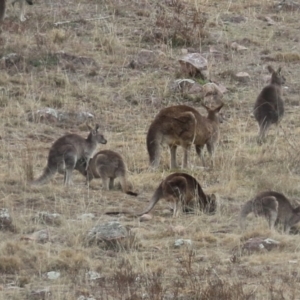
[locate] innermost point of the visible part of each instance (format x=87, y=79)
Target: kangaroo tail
x=45, y=177
x=245, y=211
x=125, y=187
x=153, y=145
x=132, y=193
x=158, y=194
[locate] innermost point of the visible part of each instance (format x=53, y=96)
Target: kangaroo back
x=269, y=106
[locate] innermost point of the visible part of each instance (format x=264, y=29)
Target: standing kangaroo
x=107, y=165
x=182, y=125
x=269, y=106
x=181, y=189
x=275, y=207
x=65, y=153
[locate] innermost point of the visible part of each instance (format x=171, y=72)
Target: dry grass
x=124, y=101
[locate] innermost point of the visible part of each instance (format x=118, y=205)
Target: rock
x=184, y=51
x=146, y=58
x=91, y=275
x=193, y=64
x=41, y=236
x=190, y=87
x=85, y=217
x=177, y=229
x=212, y=89
x=48, y=218
x=5, y=219
x=235, y=46
x=40, y=294
x=259, y=244
x=146, y=217
x=270, y=21
x=51, y=115
x=111, y=233
x=181, y=242
x=53, y=275
x=242, y=77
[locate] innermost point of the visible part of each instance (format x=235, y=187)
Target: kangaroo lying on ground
x=269, y=106
x=275, y=207
x=181, y=189
x=183, y=126
x=107, y=165
x=67, y=151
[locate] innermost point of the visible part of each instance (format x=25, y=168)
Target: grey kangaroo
x=65, y=153
x=181, y=189
x=275, y=207
x=182, y=125
x=269, y=105
x=107, y=165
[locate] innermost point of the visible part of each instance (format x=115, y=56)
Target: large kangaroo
x=107, y=165
x=181, y=189
x=269, y=106
x=275, y=207
x=66, y=151
x=183, y=126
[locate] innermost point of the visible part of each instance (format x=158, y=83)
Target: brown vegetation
x=83, y=65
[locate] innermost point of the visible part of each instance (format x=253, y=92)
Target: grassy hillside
x=93, y=63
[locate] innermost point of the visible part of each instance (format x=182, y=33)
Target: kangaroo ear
x=270, y=69
x=97, y=127
x=279, y=70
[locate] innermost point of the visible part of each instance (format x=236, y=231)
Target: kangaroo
x=65, y=153
x=269, y=106
x=181, y=189
x=107, y=165
x=275, y=207
x=182, y=125
x=22, y=8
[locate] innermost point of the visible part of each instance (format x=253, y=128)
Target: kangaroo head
x=95, y=135
x=277, y=77
x=211, y=204
x=81, y=166
x=213, y=113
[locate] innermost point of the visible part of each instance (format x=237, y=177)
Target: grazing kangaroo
x=107, y=165
x=269, y=106
x=67, y=151
x=275, y=207
x=181, y=189
x=183, y=126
